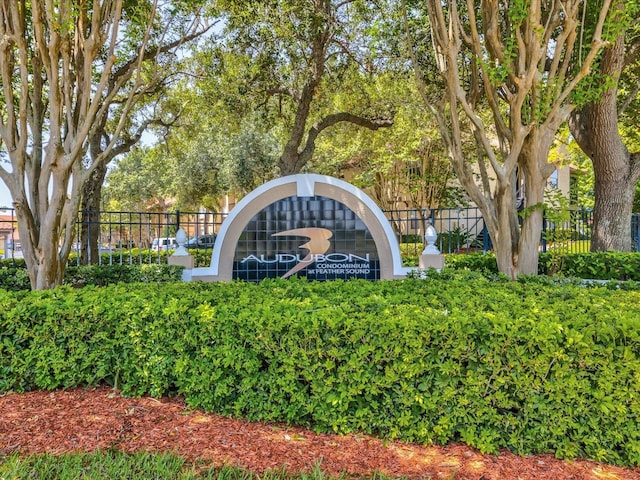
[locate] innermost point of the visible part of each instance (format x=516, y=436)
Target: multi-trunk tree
x=507, y=70
x=66, y=67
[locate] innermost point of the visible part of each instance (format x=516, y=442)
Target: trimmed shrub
x=603, y=265
x=12, y=263
x=479, y=262
x=15, y=279
x=101, y=275
x=495, y=364
x=597, y=266
x=144, y=256
x=147, y=266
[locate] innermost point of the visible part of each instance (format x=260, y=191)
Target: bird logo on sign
x=318, y=244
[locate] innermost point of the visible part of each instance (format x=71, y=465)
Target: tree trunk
x=536, y=170
x=90, y=226
x=49, y=272
x=517, y=240
x=614, y=191
x=516, y=247
x=616, y=171
x=504, y=234
x=531, y=230
x=45, y=257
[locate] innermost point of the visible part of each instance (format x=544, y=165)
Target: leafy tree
x=404, y=166
x=605, y=128
x=217, y=145
x=211, y=166
x=295, y=56
x=188, y=172
x=66, y=69
x=245, y=95
x=506, y=71
x=139, y=181
x=145, y=114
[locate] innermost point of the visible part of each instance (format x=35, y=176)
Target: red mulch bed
x=86, y=420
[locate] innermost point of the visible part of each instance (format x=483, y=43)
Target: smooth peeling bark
x=515, y=65
x=61, y=72
x=537, y=170
x=505, y=233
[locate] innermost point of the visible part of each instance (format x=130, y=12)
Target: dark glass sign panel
x=315, y=237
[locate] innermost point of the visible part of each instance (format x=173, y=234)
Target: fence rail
x=128, y=237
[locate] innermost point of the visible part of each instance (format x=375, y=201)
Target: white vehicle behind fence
x=164, y=244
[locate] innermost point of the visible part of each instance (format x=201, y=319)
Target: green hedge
x=142, y=256
x=598, y=266
x=101, y=275
x=495, y=364
x=134, y=256
x=15, y=279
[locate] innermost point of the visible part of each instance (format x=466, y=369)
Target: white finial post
x=181, y=239
x=181, y=256
x=431, y=257
x=430, y=238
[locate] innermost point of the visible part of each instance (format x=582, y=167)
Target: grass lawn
x=114, y=464
x=570, y=246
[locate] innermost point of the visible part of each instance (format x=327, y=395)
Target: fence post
x=88, y=239
x=485, y=238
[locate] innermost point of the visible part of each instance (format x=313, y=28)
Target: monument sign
x=308, y=225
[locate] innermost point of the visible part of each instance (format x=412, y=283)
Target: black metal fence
x=140, y=237
x=463, y=230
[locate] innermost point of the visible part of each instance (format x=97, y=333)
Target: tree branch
x=333, y=119
x=632, y=50
x=629, y=98
x=579, y=131
x=634, y=162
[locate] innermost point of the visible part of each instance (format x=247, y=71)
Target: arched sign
x=308, y=225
